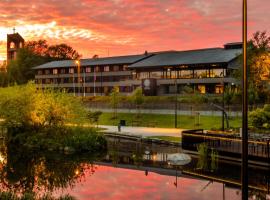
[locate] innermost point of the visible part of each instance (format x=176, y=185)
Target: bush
x=25, y=106
x=260, y=118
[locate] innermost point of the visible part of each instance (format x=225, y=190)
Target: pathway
x=143, y=131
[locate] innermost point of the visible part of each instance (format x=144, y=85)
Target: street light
x=78, y=72
x=244, y=171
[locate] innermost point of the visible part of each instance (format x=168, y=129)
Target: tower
x=14, y=42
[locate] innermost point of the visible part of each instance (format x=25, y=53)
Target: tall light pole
x=78, y=72
x=244, y=170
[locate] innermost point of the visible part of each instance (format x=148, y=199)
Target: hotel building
x=158, y=73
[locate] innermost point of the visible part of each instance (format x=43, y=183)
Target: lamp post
x=78, y=72
x=175, y=103
x=244, y=170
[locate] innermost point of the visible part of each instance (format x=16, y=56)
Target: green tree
x=26, y=107
x=93, y=117
x=62, y=52
x=114, y=100
x=258, y=65
x=137, y=98
x=35, y=53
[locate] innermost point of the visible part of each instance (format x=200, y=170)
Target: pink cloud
x=130, y=27
x=116, y=183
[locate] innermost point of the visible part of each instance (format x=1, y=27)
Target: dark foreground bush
x=72, y=139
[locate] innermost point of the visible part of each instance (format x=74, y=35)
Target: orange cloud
x=127, y=26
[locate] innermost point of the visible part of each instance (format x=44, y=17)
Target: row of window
x=87, y=79
x=98, y=90
x=198, y=73
x=73, y=70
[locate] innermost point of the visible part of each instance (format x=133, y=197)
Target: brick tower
x=14, y=42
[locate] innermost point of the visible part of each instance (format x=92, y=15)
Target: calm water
x=128, y=170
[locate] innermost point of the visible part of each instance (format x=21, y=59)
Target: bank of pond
x=111, y=172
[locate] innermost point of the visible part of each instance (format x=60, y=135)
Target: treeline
x=35, y=53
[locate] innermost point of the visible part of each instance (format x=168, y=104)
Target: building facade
x=159, y=73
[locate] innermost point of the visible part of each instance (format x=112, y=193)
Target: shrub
x=260, y=117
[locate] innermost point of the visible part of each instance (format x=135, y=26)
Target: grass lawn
x=167, y=121
x=167, y=138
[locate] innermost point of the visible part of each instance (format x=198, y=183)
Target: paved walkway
x=168, y=111
x=143, y=131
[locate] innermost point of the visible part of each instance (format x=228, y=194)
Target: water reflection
x=131, y=169
x=35, y=172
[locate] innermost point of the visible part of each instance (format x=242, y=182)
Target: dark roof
x=192, y=57
x=94, y=61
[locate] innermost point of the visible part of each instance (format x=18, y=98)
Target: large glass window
x=186, y=73
x=201, y=73
x=158, y=74
x=217, y=73
x=143, y=75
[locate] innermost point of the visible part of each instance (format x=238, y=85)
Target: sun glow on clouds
x=129, y=27
x=49, y=31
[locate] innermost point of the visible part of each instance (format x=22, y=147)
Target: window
x=55, y=71
x=12, y=45
x=219, y=89
x=186, y=74
x=156, y=74
x=106, y=68
x=87, y=69
x=97, y=69
x=39, y=72
x=47, y=81
x=202, y=89
x=143, y=75
x=47, y=71
x=125, y=67
x=62, y=71
x=71, y=70
x=200, y=73
x=217, y=73
x=116, y=68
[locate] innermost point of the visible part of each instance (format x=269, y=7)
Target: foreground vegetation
x=31, y=196
x=167, y=121
x=38, y=119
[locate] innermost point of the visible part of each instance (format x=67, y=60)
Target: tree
x=35, y=53
x=20, y=71
x=138, y=99
x=93, y=117
x=62, y=52
x=39, y=47
x=26, y=107
x=258, y=65
x=114, y=100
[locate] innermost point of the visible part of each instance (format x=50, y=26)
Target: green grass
x=167, y=121
x=166, y=138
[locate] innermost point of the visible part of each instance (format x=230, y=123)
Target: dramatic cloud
x=128, y=27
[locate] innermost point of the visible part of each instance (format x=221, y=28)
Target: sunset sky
x=118, y=27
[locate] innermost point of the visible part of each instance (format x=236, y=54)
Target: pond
x=130, y=169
